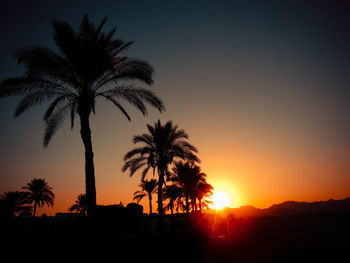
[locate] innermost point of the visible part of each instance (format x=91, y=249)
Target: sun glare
x=220, y=199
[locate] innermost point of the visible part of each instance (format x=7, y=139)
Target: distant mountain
x=293, y=208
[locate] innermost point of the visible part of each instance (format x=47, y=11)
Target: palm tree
x=204, y=190
x=188, y=176
x=12, y=203
x=89, y=65
x=40, y=193
x=161, y=146
x=79, y=205
x=172, y=193
x=148, y=187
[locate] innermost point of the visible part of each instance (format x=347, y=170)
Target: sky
x=261, y=87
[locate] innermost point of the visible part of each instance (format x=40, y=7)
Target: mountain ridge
x=289, y=208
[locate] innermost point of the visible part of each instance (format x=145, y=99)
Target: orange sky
x=262, y=90
x=253, y=170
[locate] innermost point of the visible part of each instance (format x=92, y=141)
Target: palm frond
x=118, y=105
x=179, y=134
x=115, y=49
x=133, y=70
x=192, y=158
x=125, y=70
x=128, y=93
x=135, y=96
x=134, y=164
x=58, y=101
x=109, y=36
x=31, y=100
x=139, y=197
x=54, y=122
x=145, y=171
x=98, y=29
x=65, y=39
x=40, y=61
x=149, y=97
x=187, y=146
x=86, y=28
x=27, y=85
x=138, y=192
x=141, y=150
x=145, y=138
x=73, y=113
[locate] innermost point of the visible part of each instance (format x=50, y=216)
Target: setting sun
x=220, y=199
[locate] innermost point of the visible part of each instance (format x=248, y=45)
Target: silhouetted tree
x=172, y=193
x=12, y=203
x=89, y=65
x=180, y=203
x=79, y=205
x=40, y=193
x=188, y=176
x=204, y=190
x=148, y=187
x=161, y=146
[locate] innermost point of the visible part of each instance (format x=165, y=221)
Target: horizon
x=210, y=210
x=262, y=89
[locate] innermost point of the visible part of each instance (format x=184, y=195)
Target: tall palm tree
x=12, y=203
x=79, y=205
x=160, y=147
x=148, y=187
x=40, y=193
x=188, y=176
x=89, y=65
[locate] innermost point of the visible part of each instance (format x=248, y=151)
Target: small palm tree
x=12, y=203
x=204, y=190
x=79, y=205
x=188, y=177
x=88, y=66
x=148, y=187
x=161, y=146
x=172, y=193
x=40, y=193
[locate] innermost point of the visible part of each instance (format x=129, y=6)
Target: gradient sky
x=263, y=90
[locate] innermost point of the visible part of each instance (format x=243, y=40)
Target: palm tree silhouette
x=204, y=190
x=161, y=146
x=88, y=66
x=188, y=176
x=172, y=193
x=79, y=205
x=40, y=193
x=12, y=203
x=148, y=187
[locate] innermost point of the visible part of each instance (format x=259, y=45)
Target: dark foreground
x=179, y=238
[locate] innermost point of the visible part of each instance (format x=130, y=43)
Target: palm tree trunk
x=35, y=205
x=172, y=206
x=194, y=206
x=187, y=207
x=85, y=133
x=150, y=205
x=160, y=194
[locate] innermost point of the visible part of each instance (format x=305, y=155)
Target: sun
x=220, y=199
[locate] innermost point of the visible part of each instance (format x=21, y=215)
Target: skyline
x=262, y=91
